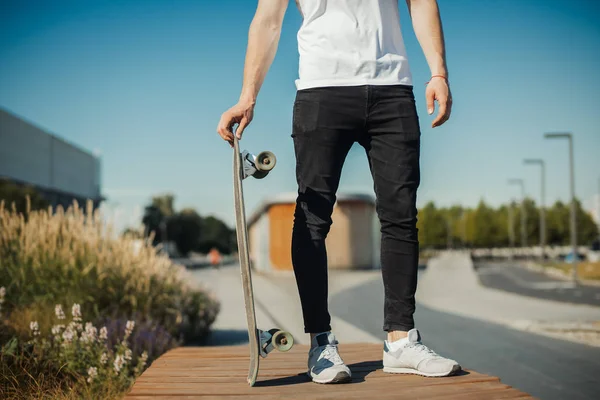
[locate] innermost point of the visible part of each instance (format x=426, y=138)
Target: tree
x=488, y=230
x=152, y=220
x=165, y=204
x=489, y=227
x=587, y=230
x=557, y=223
x=184, y=228
x=532, y=222
x=216, y=234
x=433, y=227
x=455, y=231
x=12, y=193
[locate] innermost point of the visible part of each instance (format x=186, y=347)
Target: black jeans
x=327, y=122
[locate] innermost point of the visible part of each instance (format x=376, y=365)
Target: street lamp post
x=511, y=227
x=523, y=216
x=542, y=201
x=569, y=136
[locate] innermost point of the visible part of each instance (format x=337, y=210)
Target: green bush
x=77, y=359
x=71, y=257
x=19, y=196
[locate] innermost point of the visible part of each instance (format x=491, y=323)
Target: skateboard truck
x=274, y=339
x=259, y=165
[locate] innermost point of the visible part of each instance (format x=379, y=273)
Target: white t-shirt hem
x=302, y=84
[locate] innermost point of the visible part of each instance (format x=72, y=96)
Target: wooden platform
x=209, y=372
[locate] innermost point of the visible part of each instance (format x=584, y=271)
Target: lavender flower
x=119, y=362
x=128, y=329
x=103, y=333
x=68, y=335
x=57, y=328
x=60, y=314
x=76, y=312
x=89, y=335
x=92, y=373
x=35, y=328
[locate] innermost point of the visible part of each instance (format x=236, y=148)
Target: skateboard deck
x=261, y=342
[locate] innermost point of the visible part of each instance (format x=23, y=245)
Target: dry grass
x=586, y=270
x=70, y=256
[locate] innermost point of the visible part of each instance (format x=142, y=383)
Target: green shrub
x=71, y=257
x=22, y=196
x=75, y=357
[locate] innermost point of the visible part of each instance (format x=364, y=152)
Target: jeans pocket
x=305, y=116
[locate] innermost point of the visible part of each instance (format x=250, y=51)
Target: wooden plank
x=220, y=372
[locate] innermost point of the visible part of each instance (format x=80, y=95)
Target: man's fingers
x=430, y=96
x=240, y=129
x=447, y=112
x=441, y=114
x=223, y=129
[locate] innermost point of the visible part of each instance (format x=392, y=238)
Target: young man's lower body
x=327, y=121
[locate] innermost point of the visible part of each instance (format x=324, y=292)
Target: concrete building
x=60, y=171
x=352, y=243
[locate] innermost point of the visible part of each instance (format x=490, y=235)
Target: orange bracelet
x=437, y=76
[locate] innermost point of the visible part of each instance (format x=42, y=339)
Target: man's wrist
x=439, y=68
x=439, y=72
x=247, y=99
x=439, y=76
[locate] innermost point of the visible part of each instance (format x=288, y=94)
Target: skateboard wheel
x=260, y=174
x=282, y=341
x=265, y=161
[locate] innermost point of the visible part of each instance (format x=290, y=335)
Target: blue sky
x=145, y=82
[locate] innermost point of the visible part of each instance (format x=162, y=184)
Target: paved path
x=512, y=278
x=544, y=367
x=451, y=285
x=277, y=305
x=458, y=318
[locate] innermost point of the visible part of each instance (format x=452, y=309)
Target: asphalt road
x=511, y=278
x=544, y=367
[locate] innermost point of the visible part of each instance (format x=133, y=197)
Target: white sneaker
x=324, y=362
x=410, y=356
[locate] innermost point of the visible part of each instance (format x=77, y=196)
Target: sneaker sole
x=341, y=377
x=411, y=371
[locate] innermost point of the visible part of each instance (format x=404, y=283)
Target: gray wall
x=29, y=154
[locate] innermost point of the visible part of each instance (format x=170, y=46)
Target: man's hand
x=438, y=90
x=427, y=23
x=241, y=114
x=263, y=38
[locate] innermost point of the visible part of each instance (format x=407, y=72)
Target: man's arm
x=426, y=21
x=263, y=38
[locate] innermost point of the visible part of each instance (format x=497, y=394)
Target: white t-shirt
x=350, y=43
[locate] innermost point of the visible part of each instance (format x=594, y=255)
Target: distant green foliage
x=11, y=194
x=486, y=226
x=189, y=230
x=215, y=234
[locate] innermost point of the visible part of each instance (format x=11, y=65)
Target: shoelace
x=421, y=348
x=330, y=353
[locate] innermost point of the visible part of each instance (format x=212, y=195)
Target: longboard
x=261, y=342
